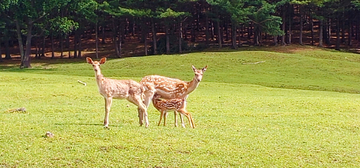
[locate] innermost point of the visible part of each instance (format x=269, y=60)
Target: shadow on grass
x=87, y=124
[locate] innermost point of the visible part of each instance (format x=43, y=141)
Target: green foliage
x=118, y=9
x=239, y=122
x=63, y=25
x=237, y=10
x=169, y=13
x=263, y=18
x=259, y=12
x=86, y=9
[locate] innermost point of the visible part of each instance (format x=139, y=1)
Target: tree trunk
x=350, y=34
x=96, y=40
x=75, y=45
x=21, y=45
x=43, y=47
x=103, y=34
x=320, y=33
x=153, y=35
x=167, y=38
x=114, y=39
x=241, y=27
x=26, y=60
x=180, y=36
x=283, y=28
x=212, y=30
x=337, y=46
x=290, y=24
x=193, y=36
x=7, y=48
x=61, y=45
x=219, y=33
x=226, y=31
x=145, y=35
x=275, y=40
x=257, y=35
x=79, y=43
x=327, y=32
x=343, y=30
x=37, y=49
x=120, y=40
x=312, y=30
x=52, y=46
x=357, y=35
x=206, y=29
x=249, y=34
x=68, y=44
x=233, y=35
x=301, y=26
x=0, y=52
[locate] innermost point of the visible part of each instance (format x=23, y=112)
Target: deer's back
x=119, y=89
x=168, y=88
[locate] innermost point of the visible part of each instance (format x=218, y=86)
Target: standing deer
x=119, y=89
x=177, y=105
x=170, y=88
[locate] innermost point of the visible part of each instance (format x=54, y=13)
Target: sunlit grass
x=279, y=113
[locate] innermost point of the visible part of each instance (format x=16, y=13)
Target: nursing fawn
x=176, y=105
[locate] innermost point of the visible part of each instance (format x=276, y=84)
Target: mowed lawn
x=256, y=107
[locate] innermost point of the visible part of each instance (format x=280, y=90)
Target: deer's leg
x=184, y=109
x=141, y=116
x=108, y=102
x=148, y=95
x=142, y=110
x=188, y=115
x=161, y=116
x=182, y=120
x=165, y=115
x=175, y=118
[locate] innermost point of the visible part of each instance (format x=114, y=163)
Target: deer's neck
x=192, y=85
x=99, y=77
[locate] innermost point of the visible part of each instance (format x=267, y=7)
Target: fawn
x=176, y=105
x=119, y=89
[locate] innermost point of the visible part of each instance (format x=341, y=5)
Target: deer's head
x=199, y=73
x=96, y=64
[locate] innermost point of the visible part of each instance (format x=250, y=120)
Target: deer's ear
x=103, y=60
x=194, y=69
x=204, y=69
x=89, y=60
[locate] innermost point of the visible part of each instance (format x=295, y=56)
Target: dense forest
x=169, y=26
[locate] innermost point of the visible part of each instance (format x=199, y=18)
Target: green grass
x=299, y=108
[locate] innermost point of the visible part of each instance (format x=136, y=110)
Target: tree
x=25, y=14
x=264, y=21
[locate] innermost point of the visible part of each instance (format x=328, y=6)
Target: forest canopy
x=168, y=26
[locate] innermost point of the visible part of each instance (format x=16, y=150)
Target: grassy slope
x=291, y=120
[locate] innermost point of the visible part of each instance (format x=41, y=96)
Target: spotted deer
x=176, y=105
x=119, y=89
x=170, y=88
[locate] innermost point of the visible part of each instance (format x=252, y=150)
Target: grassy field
x=256, y=107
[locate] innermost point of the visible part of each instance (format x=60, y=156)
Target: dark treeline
x=168, y=26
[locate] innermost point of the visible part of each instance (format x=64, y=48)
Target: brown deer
x=170, y=88
x=119, y=89
x=176, y=105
